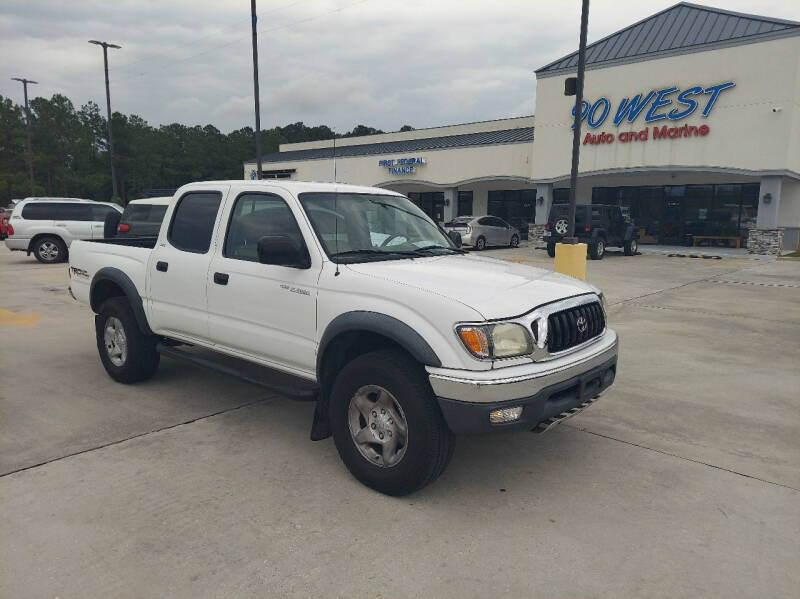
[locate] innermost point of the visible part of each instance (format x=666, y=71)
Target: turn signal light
x=505, y=415
x=476, y=340
x=10, y=229
x=587, y=228
x=123, y=228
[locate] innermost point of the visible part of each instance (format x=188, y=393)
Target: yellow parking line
x=26, y=319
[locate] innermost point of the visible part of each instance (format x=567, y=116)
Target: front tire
x=128, y=355
x=598, y=249
x=386, y=424
x=50, y=249
x=514, y=241
x=480, y=244
x=631, y=247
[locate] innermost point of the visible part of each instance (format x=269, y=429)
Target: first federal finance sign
x=402, y=166
x=668, y=103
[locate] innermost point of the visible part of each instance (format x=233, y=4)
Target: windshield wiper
x=440, y=247
x=367, y=253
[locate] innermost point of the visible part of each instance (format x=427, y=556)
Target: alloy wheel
x=49, y=251
x=116, y=341
x=561, y=226
x=378, y=426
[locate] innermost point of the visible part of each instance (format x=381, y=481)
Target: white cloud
x=337, y=62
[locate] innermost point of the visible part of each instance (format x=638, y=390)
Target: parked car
x=5, y=214
x=143, y=218
x=405, y=339
x=47, y=227
x=597, y=225
x=481, y=232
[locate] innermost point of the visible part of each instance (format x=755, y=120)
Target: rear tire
x=50, y=249
x=631, y=247
x=128, y=355
x=405, y=413
x=551, y=250
x=598, y=249
x=480, y=244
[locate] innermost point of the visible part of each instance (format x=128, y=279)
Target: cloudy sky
x=383, y=63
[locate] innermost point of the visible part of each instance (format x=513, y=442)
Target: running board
x=299, y=389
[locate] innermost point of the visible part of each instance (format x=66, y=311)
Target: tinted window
x=255, y=216
x=99, y=212
x=498, y=222
x=193, y=221
x=485, y=221
x=81, y=212
x=39, y=211
x=144, y=213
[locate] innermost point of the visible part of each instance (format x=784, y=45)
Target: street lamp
x=576, y=132
x=106, y=46
x=25, y=83
x=253, y=22
x=571, y=255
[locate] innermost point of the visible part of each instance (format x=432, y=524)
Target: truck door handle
x=221, y=278
x=162, y=266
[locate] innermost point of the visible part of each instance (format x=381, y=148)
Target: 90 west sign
x=654, y=107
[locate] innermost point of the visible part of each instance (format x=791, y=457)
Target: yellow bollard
x=571, y=260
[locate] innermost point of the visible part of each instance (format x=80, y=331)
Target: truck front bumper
x=546, y=392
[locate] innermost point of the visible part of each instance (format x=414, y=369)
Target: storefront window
x=464, y=203
x=675, y=214
x=515, y=206
x=431, y=203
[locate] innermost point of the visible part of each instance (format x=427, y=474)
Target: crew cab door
x=260, y=310
x=179, y=264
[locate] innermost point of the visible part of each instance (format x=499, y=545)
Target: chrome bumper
x=517, y=382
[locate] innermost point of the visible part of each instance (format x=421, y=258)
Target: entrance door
x=672, y=223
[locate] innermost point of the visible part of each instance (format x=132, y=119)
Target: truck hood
x=495, y=288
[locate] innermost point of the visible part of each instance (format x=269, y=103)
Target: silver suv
x=481, y=232
x=47, y=227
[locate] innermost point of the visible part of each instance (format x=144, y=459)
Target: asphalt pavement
x=682, y=481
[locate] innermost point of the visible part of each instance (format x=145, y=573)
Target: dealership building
x=690, y=122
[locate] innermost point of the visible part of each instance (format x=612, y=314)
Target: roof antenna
x=335, y=203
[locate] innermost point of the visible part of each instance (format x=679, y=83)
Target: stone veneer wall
x=765, y=241
x=535, y=235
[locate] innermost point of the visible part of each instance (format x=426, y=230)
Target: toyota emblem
x=581, y=324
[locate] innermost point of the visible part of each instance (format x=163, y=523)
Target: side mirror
x=282, y=250
x=455, y=237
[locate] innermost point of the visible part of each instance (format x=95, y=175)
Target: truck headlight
x=502, y=340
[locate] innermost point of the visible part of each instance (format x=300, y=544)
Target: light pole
x=576, y=132
x=253, y=21
x=106, y=46
x=25, y=83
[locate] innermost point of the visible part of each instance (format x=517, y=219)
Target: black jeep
x=598, y=226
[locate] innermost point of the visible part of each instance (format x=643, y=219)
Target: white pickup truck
x=407, y=339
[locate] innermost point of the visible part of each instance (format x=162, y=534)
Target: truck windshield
x=355, y=227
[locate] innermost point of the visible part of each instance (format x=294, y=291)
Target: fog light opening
x=505, y=415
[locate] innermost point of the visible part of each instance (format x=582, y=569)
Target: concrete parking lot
x=682, y=481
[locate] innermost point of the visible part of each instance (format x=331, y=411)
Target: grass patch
x=792, y=255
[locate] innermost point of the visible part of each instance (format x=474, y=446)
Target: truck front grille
x=571, y=327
